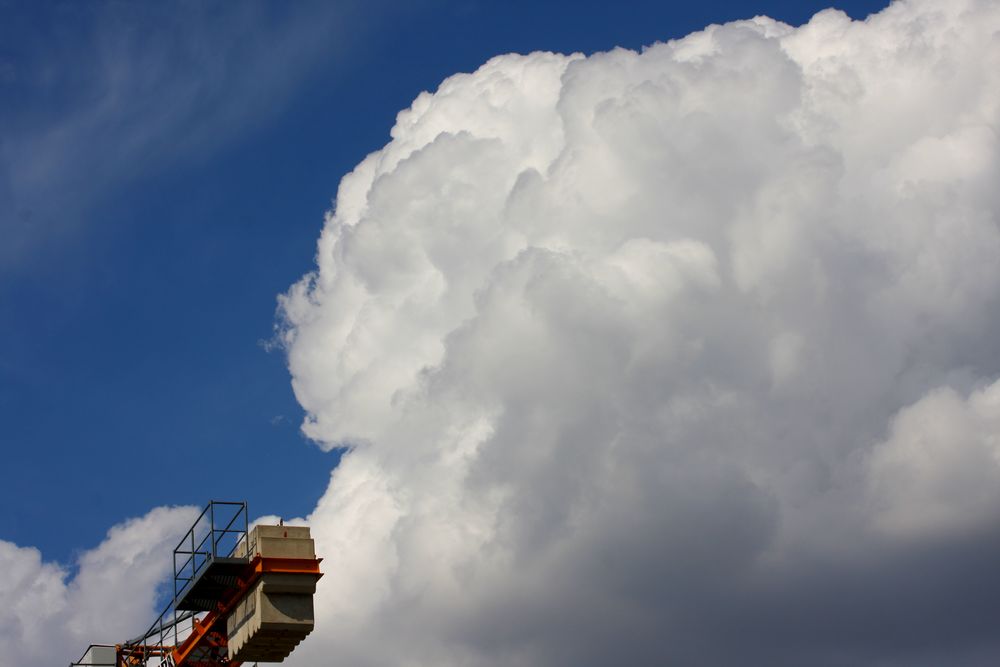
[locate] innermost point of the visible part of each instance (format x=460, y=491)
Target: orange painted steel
x=286, y=566
x=210, y=632
x=139, y=657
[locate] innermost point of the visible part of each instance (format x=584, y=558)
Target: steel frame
x=198, y=638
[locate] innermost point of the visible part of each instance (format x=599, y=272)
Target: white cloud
x=132, y=90
x=940, y=468
x=49, y=616
x=611, y=341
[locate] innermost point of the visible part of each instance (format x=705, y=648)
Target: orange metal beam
x=287, y=565
x=201, y=635
x=148, y=651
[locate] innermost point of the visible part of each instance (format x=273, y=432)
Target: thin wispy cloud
x=103, y=93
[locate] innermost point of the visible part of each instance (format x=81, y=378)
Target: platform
x=215, y=580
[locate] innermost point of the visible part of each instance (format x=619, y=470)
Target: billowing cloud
x=940, y=469
x=49, y=615
x=685, y=356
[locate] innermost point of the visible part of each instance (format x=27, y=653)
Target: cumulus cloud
x=940, y=468
x=50, y=615
x=684, y=356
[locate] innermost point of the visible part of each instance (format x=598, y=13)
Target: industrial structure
x=240, y=595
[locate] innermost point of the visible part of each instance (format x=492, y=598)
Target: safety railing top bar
x=240, y=510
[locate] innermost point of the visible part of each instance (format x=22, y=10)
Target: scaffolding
x=218, y=565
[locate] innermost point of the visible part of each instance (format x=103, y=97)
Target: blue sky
x=164, y=171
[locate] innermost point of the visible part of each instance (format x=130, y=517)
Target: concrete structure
x=277, y=612
x=99, y=655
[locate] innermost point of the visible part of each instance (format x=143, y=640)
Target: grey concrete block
x=277, y=612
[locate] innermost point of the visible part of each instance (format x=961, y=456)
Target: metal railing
x=218, y=532
x=213, y=543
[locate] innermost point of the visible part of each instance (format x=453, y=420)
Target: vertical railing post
x=175, y=575
x=211, y=527
x=193, y=568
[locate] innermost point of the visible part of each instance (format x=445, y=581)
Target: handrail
x=199, y=557
x=172, y=627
